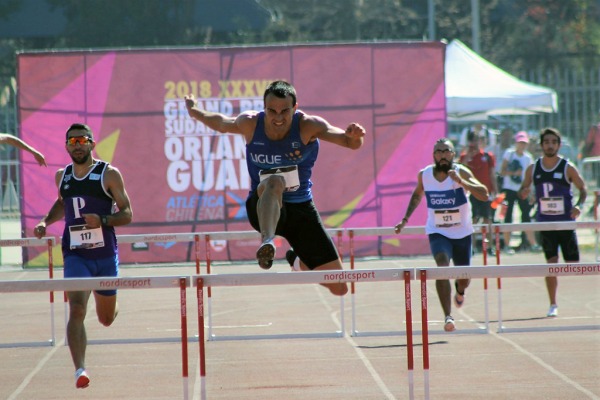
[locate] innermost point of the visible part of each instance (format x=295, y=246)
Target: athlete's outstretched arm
x=318, y=128
x=18, y=143
x=244, y=124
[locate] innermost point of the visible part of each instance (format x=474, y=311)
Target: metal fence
x=578, y=100
x=10, y=183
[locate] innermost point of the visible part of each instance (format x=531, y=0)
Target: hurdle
x=498, y=271
x=410, y=230
x=536, y=226
x=306, y=277
x=240, y=235
x=132, y=283
x=49, y=242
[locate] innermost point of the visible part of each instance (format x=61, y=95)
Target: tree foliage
x=517, y=35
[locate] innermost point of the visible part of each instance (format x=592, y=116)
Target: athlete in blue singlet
x=282, y=144
x=92, y=199
x=449, y=221
x=552, y=177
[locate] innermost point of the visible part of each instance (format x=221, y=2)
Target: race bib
x=85, y=238
x=447, y=218
x=552, y=205
x=289, y=173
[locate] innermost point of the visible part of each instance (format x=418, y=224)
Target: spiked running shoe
x=449, y=324
x=291, y=258
x=82, y=379
x=265, y=254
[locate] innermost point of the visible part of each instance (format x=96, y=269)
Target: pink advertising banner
x=183, y=177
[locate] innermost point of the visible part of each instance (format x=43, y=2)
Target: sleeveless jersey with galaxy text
x=552, y=192
x=87, y=196
x=263, y=153
x=448, y=209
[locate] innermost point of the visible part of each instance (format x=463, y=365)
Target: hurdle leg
x=184, y=337
x=352, y=291
x=409, y=335
x=342, y=331
x=596, y=201
x=208, y=289
x=51, y=276
x=500, y=327
x=485, y=286
x=201, y=348
x=197, y=253
x=425, y=333
x=498, y=280
x=66, y=309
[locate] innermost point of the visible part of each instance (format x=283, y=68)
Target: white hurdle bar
x=534, y=226
x=143, y=282
x=409, y=230
x=239, y=235
x=49, y=242
x=498, y=271
x=306, y=277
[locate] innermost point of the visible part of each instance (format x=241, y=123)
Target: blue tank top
x=263, y=153
x=87, y=196
x=552, y=192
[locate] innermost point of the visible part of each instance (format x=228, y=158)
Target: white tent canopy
x=476, y=86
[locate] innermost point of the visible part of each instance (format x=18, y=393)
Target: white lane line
x=361, y=355
x=548, y=367
x=541, y=362
x=197, y=393
x=34, y=371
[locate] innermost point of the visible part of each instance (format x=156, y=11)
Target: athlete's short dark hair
x=281, y=89
x=82, y=127
x=549, y=131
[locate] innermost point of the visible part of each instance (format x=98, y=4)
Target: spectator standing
x=482, y=164
x=514, y=163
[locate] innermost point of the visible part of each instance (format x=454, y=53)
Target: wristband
x=104, y=220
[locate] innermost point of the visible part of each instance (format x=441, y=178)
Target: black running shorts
x=301, y=225
x=567, y=240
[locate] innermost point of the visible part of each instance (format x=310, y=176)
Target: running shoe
x=553, y=311
x=82, y=379
x=449, y=324
x=536, y=248
x=459, y=299
x=265, y=254
x=291, y=257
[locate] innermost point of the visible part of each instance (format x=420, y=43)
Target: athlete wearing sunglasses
x=73, y=140
x=92, y=199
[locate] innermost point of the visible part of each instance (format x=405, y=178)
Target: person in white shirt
x=514, y=163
